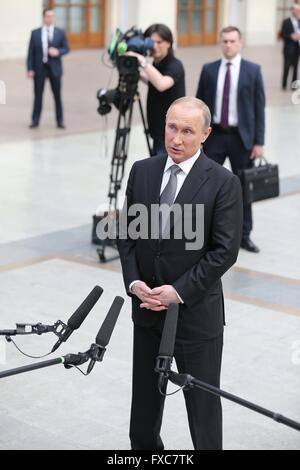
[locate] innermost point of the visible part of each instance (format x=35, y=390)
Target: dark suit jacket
x=35, y=52
x=290, y=47
x=251, y=99
x=196, y=275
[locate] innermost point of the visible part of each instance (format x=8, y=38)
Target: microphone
x=167, y=345
x=79, y=316
x=105, y=332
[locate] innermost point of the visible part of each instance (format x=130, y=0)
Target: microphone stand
x=187, y=382
x=94, y=354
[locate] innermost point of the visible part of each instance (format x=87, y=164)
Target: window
x=83, y=21
x=197, y=22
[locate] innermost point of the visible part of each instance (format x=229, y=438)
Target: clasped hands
x=296, y=37
x=53, y=52
x=157, y=299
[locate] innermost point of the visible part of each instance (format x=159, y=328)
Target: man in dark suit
x=160, y=270
x=47, y=45
x=233, y=90
x=290, y=33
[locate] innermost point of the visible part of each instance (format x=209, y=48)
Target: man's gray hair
x=195, y=103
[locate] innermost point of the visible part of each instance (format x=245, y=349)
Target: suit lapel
x=243, y=76
x=39, y=37
x=154, y=179
x=194, y=182
x=55, y=32
x=197, y=177
x=215, y=75
x=153, y=186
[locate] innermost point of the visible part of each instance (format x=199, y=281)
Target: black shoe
x=61, y=126
x=33, y=125
x=248, y=245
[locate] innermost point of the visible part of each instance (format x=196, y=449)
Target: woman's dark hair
x=163, y=31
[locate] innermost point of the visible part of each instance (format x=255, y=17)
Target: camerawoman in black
x=166, y=80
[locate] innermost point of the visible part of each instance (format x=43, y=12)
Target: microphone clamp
x=185, y=381
x=94, y=354
x=63, y=332
x=163, y=367
x=164, y=364
x=30, y=329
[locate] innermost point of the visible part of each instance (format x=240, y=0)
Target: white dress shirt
x=47, y=34
x=296, y=25
x=233, y=99
x=186, y=167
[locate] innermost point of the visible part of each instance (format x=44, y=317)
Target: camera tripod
x=129, y=94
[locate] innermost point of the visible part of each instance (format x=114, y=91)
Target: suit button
x=158, y=255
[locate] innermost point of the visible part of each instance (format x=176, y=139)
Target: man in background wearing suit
x=290, y=33
x=234, y=91
x=47, y=45
x=162, y=270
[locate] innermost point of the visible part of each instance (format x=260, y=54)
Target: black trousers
x=39, y=85
x=290, y=61
x=221, y=145
x=201, y=359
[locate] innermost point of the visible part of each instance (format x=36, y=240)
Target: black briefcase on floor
x=260, y=182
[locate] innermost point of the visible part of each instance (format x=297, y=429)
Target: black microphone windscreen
x=84, y=309
x=109, y=323
x=167, y=343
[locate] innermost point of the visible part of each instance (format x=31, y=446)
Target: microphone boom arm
x=186, y=381
x=95, y=354
x=33, y=329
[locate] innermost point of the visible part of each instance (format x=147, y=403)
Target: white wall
x=113, y=18
x=255, y=18
x=261, y=24
x=233, y=13
x=17, y=19
x=158, y=11
x=124, y=14
x=129, y=14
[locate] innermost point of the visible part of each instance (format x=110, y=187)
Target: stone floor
x=51, y=185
